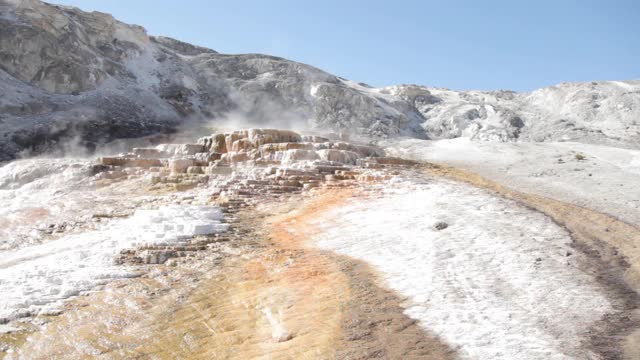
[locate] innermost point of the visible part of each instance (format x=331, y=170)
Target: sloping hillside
x=68, y=75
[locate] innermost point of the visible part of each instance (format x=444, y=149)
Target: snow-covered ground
x=498, y=283
x=36, y=279
x=607, y=179
x=35, y=193
x=594, y=112
x=60, y=232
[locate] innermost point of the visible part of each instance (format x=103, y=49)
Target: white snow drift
x=605, y=178
x=497, y=283
x=36, y=279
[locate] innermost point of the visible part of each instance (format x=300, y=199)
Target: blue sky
x=519, y=45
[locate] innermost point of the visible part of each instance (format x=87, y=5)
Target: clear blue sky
x=519, y=45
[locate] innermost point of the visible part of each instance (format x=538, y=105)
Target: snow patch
x=36, y=280
x=495, y=284
x=606, y=180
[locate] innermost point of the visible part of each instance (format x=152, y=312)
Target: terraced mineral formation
x=244, y=167
x=251, y=162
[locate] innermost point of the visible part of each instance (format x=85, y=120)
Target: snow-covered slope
x=597, y=112
x=495, y=284
x=68, y=74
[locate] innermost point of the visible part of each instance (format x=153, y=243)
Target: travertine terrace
x=243, y=167
x=252, y=162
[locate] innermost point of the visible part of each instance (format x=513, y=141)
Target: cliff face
x=68, y=74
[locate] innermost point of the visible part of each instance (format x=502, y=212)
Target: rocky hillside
x=68, y=75
x=597, y=112
x=65, y=73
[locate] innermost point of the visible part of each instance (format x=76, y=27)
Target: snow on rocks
x=496, y=284
x=36, y=279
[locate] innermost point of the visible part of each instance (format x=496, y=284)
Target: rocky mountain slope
x=68, y=75
x=603, y=111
